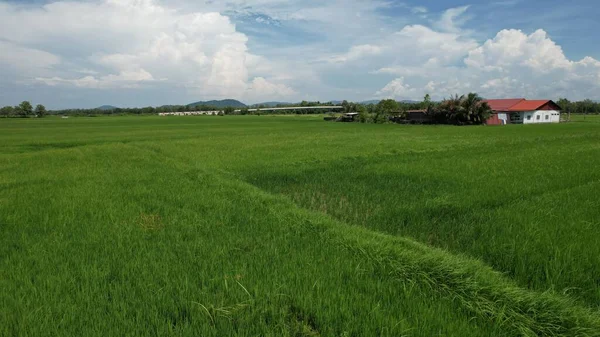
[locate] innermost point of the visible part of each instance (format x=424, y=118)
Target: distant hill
x=273, y=104
x=106, y=107
x=220, y=104
x=373, y=101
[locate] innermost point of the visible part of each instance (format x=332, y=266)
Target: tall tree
x=388, y=106
x=426, y=104
x=470, y=104
x=7, y=111
x=567, y=107
x=385, y=108
x=363, y=113
x=348, y=107
x=40, y=110
x=24, y=109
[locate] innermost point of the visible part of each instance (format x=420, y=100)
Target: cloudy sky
x=152, y=52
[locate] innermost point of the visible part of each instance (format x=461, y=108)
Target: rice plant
x=290, y=226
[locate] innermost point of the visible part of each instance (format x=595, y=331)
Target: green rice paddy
x=292, y=226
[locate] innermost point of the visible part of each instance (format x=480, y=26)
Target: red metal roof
x=503, y=104
x=520, y=104
x=527, y=105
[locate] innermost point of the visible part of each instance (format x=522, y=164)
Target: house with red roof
x=523, y=111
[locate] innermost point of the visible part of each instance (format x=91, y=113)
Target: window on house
x=528, y=117
x=538, y=117
x=547, y=117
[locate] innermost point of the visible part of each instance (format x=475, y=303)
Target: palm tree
x=470, y=104
x=469, y=109
x=484, y=111
x=452, y=109
x=477, y=111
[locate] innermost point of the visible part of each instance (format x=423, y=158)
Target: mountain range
x=106, y=107
x=237, y=104
x=271, y=104
x=220, y=104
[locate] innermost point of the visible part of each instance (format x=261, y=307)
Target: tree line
x=135, y=111
x=302, y=104
x=23, y=110
x=467, y=109
x=581, y=107
x=26, y=110
x=458, y=110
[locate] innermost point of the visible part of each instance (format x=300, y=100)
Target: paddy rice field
x=293, y=226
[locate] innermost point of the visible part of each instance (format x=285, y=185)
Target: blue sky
x=151, y=52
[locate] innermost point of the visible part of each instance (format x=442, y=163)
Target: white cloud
x=194, y=48
x=397, y=89
x=534, y=60
x=357, y=53
x=84, y=82
x=26, y=60
x=125, y=79
x=506, y=3
x=514, y=48
x=418, y=41
x=127, y=43
x=419, y=10
x=511, y=64
x=452, y=19
x=261, y=90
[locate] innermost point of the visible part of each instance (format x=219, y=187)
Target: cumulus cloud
x=357, y=53
x=512, y=63
x=195, y=48
x=26, y=60
x=125, y=79
x=397, y=88
x=127, y=44
x=522, y=62
x=421, y=42
x=262, y=89
x=514, y=48
x=452, y=19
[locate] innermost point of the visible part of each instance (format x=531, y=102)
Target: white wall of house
x=541, y=116
x=551, y=116
x=503, y=117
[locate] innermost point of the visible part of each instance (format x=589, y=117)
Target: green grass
x=290, y=226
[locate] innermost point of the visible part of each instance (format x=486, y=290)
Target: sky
x=134, y=53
